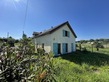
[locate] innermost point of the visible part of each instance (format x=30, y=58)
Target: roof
x=53, y=29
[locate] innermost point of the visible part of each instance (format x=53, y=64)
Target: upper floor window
x=66, y=33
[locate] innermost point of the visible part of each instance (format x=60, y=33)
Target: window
x=43, y=45
x=66, y=33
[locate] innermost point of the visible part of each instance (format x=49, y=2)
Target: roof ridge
x=49, y=31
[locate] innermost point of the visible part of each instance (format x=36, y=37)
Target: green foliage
x=40, y=51
x=16, y=68
x=84, y=49
x=101, y=41
x=22, y=65
x=98, y=45
x=24, y=36
x=82, y=67
x=10, y=41
x=44, y=68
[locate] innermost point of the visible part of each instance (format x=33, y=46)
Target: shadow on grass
x=96, y=59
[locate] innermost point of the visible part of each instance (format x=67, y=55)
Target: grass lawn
x=83, y=67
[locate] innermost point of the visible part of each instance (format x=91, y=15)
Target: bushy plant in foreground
x=16, y=68
x=22, y=65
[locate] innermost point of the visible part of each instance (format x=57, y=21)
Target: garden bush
x=22, y=65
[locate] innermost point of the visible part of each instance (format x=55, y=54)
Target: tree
x=16, y=41
x=1, y=39
x=24, y=36
x=83, y=41
x=91, y=40
x=10, y=41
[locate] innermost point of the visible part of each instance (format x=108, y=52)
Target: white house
x=59, y=39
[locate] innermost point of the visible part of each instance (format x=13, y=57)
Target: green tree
x=91, y=40
x=24, y=36
x=10, y=41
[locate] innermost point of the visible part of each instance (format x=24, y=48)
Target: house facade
x=59, y=39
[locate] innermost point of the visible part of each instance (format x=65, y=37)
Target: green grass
x=83, y=66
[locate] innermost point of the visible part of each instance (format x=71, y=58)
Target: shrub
x=40, y=51
x=99, y=45
x=21, y=65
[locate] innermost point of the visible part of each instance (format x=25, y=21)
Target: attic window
x=66, y=33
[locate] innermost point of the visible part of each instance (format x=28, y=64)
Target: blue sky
x=88, y=18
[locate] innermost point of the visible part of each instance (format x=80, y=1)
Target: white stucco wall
x=57, y=37
x=46, y=40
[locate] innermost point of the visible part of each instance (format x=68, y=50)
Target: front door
x=66, y=47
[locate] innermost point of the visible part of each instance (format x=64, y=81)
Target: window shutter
x=55, y=47
x=63, y=33
x=63, y=48
x=68, y=34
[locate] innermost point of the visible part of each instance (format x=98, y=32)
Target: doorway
x=66, y=47
x=59, y=48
